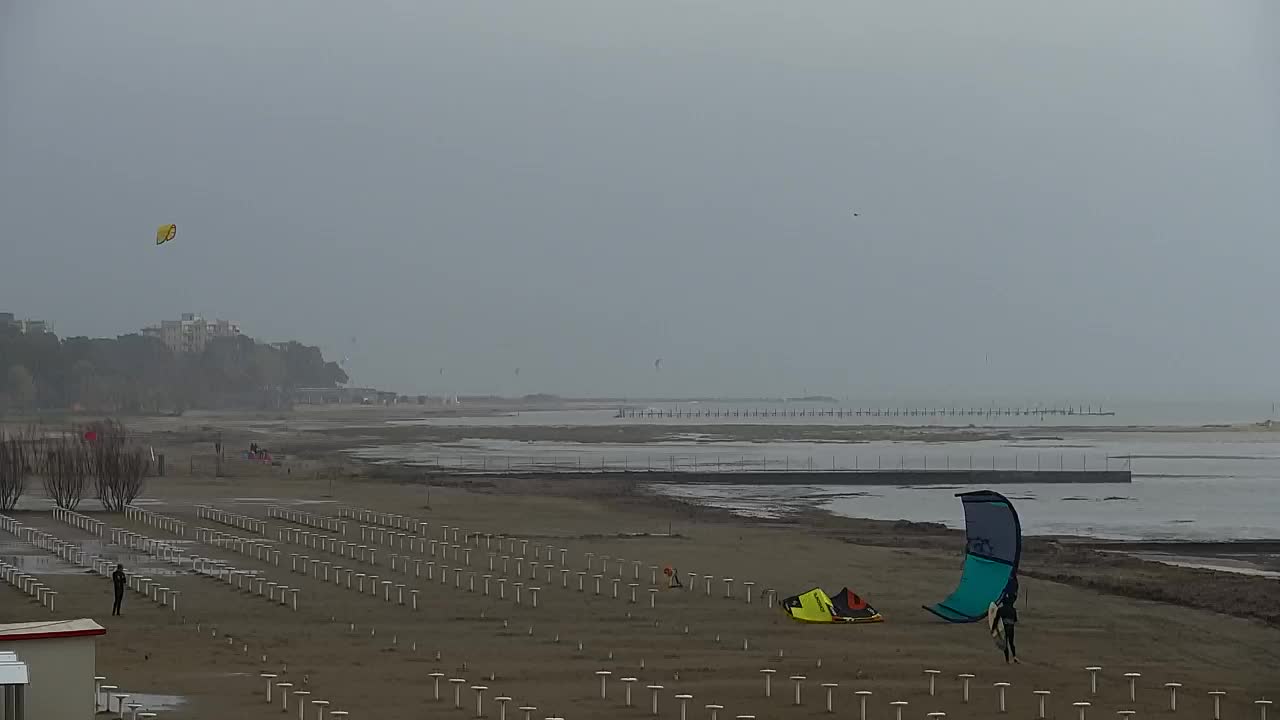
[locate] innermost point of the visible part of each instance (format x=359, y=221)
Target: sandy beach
x=374, y=658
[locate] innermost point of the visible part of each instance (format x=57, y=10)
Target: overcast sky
x=1057, y=200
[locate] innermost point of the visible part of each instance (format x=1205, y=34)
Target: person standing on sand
x=1008, y=618
x=118, y=580
x=673, y=577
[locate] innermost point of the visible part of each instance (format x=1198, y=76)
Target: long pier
x=845, y=413
x=824, y=477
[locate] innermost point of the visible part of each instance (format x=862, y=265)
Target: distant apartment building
x=190, y=333
x=9, y=320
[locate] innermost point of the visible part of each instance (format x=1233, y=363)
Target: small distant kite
x=165, y=233
x=657, y=364
x=857, y=214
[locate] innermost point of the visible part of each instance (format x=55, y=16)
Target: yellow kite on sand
x=816, y=606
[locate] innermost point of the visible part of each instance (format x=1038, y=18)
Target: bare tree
x=65, y=464
x=119, y=469
x=15, y=467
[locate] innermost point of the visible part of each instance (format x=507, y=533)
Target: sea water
x=1219, y=485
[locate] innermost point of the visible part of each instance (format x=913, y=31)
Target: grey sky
x=1086, y=192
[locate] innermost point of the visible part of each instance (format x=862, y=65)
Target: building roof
x=50, y=629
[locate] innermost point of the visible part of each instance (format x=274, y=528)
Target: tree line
x=98, y=455
x=138, y=374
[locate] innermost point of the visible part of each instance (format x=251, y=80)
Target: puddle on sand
x=282, y=501
x=133, y=561
x=36, y=562
x=1221, y=564
x=151, y=703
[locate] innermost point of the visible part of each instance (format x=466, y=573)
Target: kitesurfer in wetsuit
x=1008, y=618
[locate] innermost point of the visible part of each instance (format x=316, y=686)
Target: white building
x=14, y=678
x=28, y=326
x=61, y=661
x=190, y=333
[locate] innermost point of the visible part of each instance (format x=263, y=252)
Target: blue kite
x=993, y=537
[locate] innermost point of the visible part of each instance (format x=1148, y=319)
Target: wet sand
x=1080, y=607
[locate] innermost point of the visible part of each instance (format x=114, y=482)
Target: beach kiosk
x=57, y=660
x=13, y=687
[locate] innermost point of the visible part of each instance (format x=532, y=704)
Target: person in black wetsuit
x=1008, y=616
x=118, y=581
x=1011, y=588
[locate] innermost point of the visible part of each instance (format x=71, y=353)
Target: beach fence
x=1042, y=462
x=695, y=412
